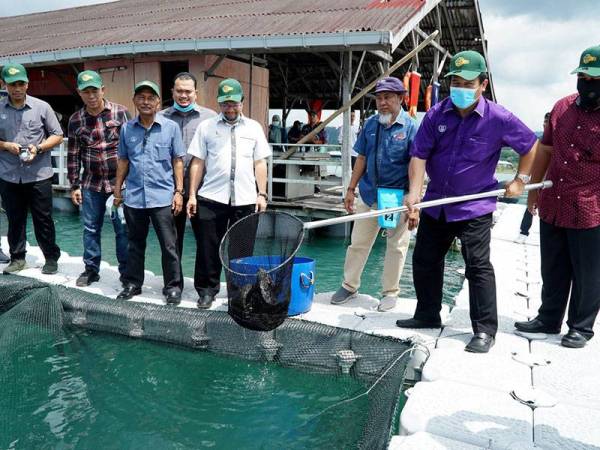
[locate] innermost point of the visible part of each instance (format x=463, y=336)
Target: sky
x=533, y=46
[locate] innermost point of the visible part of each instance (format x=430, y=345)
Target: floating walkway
x=526, y=393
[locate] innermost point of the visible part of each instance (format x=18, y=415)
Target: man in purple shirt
x=459, y=144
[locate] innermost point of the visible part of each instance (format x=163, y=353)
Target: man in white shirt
x=230, y=152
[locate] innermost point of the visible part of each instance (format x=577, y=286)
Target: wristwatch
x=524, y=178
x=262, y=194
x=179, y=191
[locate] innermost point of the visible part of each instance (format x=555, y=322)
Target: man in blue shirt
x=151, y=157
x=383, y=148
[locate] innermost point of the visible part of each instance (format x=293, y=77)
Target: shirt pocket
x=32, y=127
x=246, y=146
x=398, y=150
x=162, y=152
x=475, y=149
x=113, y=127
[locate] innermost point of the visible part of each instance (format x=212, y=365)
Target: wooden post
x=346, y=128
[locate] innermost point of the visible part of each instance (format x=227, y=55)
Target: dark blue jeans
x=93, y=209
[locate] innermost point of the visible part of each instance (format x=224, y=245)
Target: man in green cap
x=458, y=144
x=569, y=155
x=29, y=130
x=151, y=161
x=93, y=140
x=230, y=152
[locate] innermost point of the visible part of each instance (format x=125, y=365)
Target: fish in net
x=257, y=253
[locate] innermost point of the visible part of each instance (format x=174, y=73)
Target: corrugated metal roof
x=131, y=21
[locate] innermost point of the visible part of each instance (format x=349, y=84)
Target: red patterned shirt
x=93, y=142
x=574, y=134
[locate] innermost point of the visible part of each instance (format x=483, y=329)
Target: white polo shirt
x=229, y=152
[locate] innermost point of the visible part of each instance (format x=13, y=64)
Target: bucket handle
x=307, y=281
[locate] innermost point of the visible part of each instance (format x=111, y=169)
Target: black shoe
x=129, y=291
x=88, y=277
x=50, y=268
x=480, y=343
x=536, y=326
x=573, y=339
x=3, y=258
x=416, y=323
x=173, y=296
x=205, y=301
x=122, y=280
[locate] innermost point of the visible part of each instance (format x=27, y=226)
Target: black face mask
x=589, y=93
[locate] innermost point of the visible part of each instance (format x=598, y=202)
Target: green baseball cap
x=14, y=72
x=89, y=78
x=468, y=65
x=149, y=84
x=589, y=63
x=230, y=90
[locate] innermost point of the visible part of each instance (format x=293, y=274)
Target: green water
x=101, y=391
x=329, y=254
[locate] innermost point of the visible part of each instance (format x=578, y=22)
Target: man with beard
x=383, y=154
x=569, y=155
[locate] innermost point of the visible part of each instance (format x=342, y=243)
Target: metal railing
x=327, y=155
x=331, y=157
x=59, y=159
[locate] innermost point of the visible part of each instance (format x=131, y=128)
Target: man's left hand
x=261, y=204
x=514, y=188
x=177, y=204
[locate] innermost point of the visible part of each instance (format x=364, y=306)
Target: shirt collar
x=158, y=119
x=479, y=109
x=222, y=119
x=28, y=102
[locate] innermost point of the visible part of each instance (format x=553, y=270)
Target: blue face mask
x=463, y=97
x=183, y=109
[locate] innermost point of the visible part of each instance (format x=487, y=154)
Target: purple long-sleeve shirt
x=462, y=154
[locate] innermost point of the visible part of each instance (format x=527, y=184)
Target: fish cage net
x=257, y=253
x=34, y=314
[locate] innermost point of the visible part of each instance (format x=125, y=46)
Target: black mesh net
x=35, y=319
x=257, y=253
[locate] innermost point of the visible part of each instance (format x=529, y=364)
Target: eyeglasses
x=229, y=105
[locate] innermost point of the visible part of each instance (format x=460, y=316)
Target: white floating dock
x=464, y=400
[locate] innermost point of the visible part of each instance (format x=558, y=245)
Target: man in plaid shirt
x=93, y=141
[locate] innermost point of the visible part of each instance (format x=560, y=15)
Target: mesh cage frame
x=308, y=346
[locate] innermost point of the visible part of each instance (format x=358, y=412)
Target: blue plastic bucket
x=303, y=286
x=302, y=283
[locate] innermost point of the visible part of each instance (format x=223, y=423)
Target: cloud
x=8, y=8
x=559, y=10
x=531, y=59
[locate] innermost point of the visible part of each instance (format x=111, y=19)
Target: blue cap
x=389, y=84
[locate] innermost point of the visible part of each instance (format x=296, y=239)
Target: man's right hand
x=532, y=201
x=191, y=206
x=12, y=147
x=118, y=198
x=349, y=201
x=410, y=200
x=76, y=197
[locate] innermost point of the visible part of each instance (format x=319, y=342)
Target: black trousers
x=180, y=221
x=138, y=225
x=210, y=225
x=434, y=238
x=526, y=223
x=18, y=198
x=570, y=267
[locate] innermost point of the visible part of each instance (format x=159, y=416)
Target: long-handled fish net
x=258, y=252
